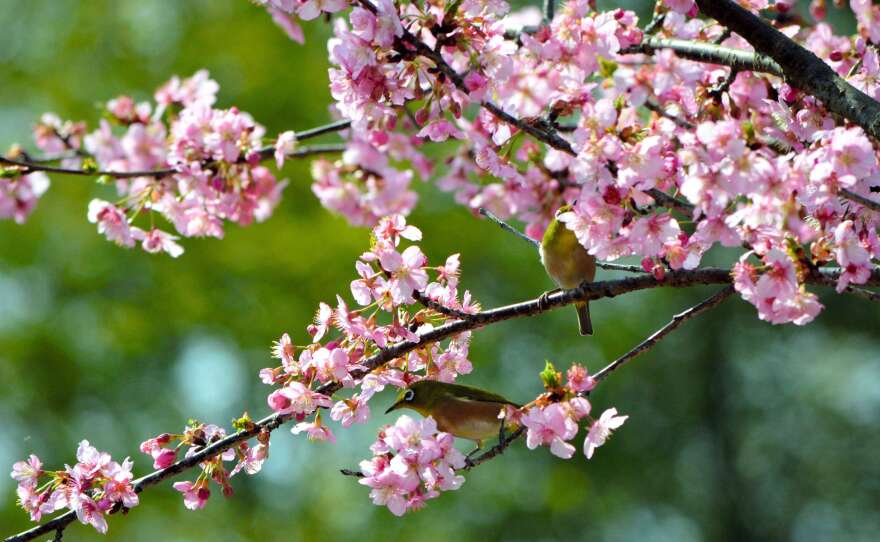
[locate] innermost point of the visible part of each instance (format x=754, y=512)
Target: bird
x=568, y=263
x=463, y=411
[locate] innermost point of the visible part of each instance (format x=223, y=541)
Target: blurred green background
x=739, y=430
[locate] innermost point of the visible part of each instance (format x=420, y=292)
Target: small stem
x=441, y=308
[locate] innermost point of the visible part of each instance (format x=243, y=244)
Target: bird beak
x=395, y=406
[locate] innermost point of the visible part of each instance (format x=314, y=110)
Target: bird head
x=419, y=396
x=556, y=230
x=563, y=209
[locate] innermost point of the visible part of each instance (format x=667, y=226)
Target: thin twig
x=440, y=307
x=850, y=289
x=497, y=449
x=665, y=200
x=508, y=228
x=656, y=22
x=724, y=85
x=658, y=335
x=657, y=108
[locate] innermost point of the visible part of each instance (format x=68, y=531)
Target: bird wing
x=476, y=394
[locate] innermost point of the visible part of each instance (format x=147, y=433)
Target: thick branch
x=800, y=67
x=860, y=199
x=710, y=53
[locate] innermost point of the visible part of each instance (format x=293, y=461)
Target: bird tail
x=586, y=326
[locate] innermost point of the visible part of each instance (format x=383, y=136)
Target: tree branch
x=658, y=335
x=585, y=292
x=265, y=153
x=800, y=67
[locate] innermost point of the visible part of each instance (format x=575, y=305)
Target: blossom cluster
x=164, y=450
x=181, y=158
x=343, y=339
x=95, y=486
x=364, y=186
x=412, y=462
x=553, y=419
x=754, y=166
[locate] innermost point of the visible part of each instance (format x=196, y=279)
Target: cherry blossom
x=601, y=429
x=90, y=488
x=413, y=462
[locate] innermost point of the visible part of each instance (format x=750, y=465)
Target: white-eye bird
x=568, y=263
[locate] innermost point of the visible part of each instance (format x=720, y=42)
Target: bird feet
x=468, y=463
x=544, y=300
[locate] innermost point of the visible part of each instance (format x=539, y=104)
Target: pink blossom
x=407, y=273
x=285, y=22
x=323, y=319
x=27, y=472
x=314, y=430
x=550, y=426
x=285, y=350
x=155, y=241
x=195, y=496
x=310, y=9
x=18, y=196
x=412, y=463
x=579, y=380
x=88, y=512
x=440, y=130
x=253, y=460
x=284, y=145
x=851, y=255
x=350, y=411
x=295, y=398
x=601, y=429
x=111, y=222
x=118, y=487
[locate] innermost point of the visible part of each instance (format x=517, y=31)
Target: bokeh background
x=739, y=430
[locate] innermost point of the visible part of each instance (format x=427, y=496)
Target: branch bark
x=860, y=199
x=709, y=53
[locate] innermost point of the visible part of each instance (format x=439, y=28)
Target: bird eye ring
x=408, y=396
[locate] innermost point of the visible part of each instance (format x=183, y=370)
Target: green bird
x=464, y=411
x=568, y=263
